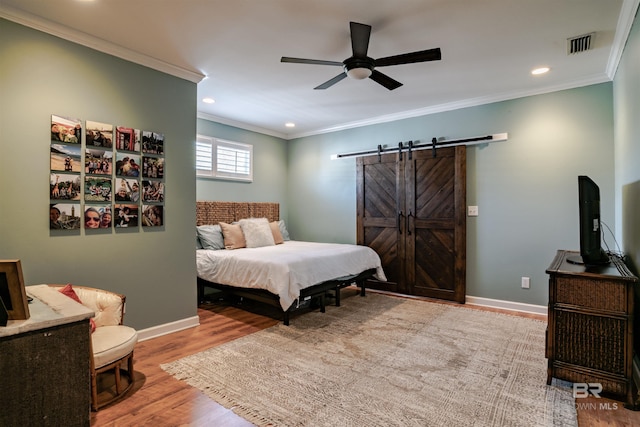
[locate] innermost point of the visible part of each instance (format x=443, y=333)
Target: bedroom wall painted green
x=269, y=169
x=526, y=187
x=43, y=75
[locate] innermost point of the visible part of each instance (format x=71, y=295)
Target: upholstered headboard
x=215, y=212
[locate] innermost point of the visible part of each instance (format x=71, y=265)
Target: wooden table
x=45, y=363
x=590, y=335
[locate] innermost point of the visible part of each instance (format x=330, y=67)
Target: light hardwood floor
x=157, y=399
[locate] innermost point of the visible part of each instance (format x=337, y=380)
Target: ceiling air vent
x=580, y=43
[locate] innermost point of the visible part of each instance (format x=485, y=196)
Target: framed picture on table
x=12, y=291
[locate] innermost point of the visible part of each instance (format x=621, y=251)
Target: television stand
x=590, y=332
x=577, y=260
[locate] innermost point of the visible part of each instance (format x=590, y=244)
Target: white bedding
x=287, y=268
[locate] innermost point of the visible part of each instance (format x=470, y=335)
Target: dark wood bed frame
x=215, y=212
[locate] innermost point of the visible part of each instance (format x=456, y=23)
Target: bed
x=287, y=274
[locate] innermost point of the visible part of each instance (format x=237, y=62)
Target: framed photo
x=152, y=167
x=65, y=158
x=152, y=142
x=99, y=134
x=127, y=164
x=127, y=139
x=97, y=189
x=98, y=162
x=64, y=216
x=65, y=130
x=152, y=215
x=152, y=190
x=97, y=216
x=64, y=186
x=127, y=190
x=125, y=215
x=12, y=291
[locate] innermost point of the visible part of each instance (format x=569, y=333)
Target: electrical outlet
x=525, y=283
x=472, y=211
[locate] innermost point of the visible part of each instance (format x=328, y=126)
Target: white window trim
x=212, y=171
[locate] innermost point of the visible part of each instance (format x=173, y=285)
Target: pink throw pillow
x=68, y=291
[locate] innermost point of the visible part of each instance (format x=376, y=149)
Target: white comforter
x=287, y=268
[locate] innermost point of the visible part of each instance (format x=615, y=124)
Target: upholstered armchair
x=112, y=342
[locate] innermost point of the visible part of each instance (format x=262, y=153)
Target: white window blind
x=217, y=158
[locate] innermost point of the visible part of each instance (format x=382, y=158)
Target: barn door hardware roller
x=433, y=145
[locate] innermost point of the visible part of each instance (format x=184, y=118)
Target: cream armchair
x=112, y=343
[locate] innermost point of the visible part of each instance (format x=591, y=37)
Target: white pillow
x=257, y=232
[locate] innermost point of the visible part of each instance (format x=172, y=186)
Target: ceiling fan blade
x=384, y=80
x=310, y=61
x=408, y=58
x=331, y=82
x=360, y=34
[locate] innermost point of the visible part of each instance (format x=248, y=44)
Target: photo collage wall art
x=114, y=178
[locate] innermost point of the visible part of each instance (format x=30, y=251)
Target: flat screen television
x=591, y=252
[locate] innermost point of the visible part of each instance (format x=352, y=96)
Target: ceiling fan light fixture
x=359, y=73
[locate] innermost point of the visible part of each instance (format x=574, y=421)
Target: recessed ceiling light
x=290, y=125
x=208, y=100
x=540, y=70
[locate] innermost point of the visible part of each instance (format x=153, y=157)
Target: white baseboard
x=168, y=328
x=507, y=305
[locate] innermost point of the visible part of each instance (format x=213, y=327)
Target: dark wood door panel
x=378, y=215
x=435, y=262
x=386, y=244
x=435, y=188
x=412, y=213
x=380, y=193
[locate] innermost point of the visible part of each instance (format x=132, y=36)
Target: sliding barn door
x=380, y=220
x=436, y=242
x=411, y=211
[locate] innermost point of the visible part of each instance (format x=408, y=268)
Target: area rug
x=386, y=361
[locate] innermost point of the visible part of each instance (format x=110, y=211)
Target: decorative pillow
x=283, y=230
x=198, y=242
x=233, y=237
x=210, y=237
x=68, y=291
x=257, y=232
x=275, y=230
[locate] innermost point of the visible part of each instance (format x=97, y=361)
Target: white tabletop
x=49, y=308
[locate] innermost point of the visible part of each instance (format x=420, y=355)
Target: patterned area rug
x=386, y=361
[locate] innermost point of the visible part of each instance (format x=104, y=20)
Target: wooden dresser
x=590, y=335
x=45, y=363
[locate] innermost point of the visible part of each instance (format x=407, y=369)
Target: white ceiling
x=488, y=50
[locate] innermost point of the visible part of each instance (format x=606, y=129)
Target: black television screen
x=591, y=252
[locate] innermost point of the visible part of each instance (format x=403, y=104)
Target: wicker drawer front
x=600, y=294
x=608, y=385
x=590, y=341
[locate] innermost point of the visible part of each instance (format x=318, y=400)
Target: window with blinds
x=217, y=158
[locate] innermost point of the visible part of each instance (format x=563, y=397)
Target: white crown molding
x=241, y=125
x=625, y=22
x=98, y=44
x=472, y=102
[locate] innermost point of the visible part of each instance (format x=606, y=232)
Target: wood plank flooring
x=157, y=399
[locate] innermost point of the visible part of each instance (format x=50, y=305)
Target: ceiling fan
x=359, y=66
